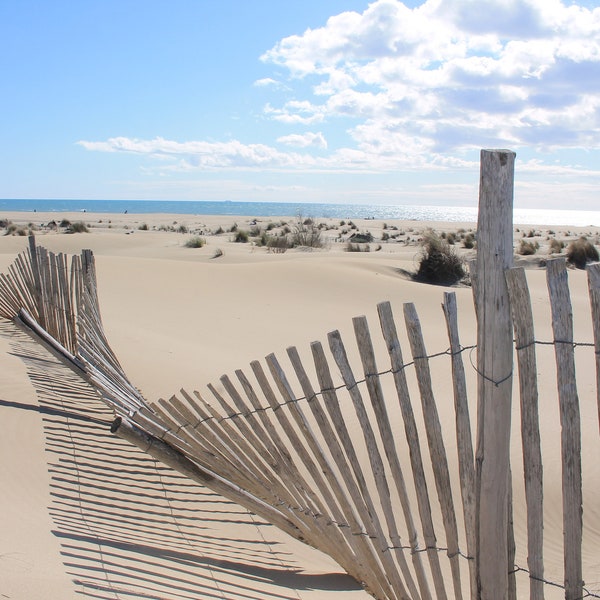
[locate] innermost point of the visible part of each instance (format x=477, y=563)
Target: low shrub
x=277, y=244
x=582, y=251
x=195, y=242
x=556, y=246
x=77, y=227
x=356, y=247
x=527, y=248
x=306, y=233
x=143, y=227
x=241, y=237
x=439, y=262
x=182, y=229
x=469, y=241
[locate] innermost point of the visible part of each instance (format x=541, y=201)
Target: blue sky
x=386, y=102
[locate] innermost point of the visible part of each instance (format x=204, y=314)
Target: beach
x=180, y=317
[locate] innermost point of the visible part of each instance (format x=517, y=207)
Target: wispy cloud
x=304, y=140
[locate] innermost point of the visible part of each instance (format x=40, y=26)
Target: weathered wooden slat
x=367, y=355
x=494, y=366
x=331, y=537
x=295, y=443
x=213, y=447
x=281, y=463
x=388, y=328
x=367, y=507
x=319, y=467
x=180, y=463
x=593, y=272
x=464, y=440
x=348, y=498
x=433, y=429
x=562, y=325
x=378, y=469
x=530, y=428
x=257, y=438
x=290, y=472
x=34, y=261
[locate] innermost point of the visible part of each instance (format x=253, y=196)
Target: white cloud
x=266, y=81
x=423, y=89
x=204, y=155
x=306, y=140
x=452, y=75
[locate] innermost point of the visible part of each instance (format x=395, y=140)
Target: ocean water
x=522, y=216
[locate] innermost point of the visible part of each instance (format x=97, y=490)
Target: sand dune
x=86, y=515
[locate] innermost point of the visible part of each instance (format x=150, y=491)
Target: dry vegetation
x=439, y=255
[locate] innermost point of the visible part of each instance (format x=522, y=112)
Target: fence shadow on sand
x=130, y=527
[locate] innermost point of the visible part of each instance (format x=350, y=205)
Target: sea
x=521, y=216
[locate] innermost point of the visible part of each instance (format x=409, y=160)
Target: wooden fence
x=330, y=449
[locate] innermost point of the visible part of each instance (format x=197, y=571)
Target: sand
x=82, y=514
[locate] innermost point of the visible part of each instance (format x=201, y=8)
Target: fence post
x=494, y=364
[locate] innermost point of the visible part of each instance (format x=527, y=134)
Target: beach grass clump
x=357, y=247
x=556, y=246
x=18, y=230
x=143, y=227
x=278, y=243
x=527, y=248
x=77, y=227
x=582, y=251
x=469, y=241
x=306, y=233
x=217, y=253
x=241, y=236
x=195, y=242
x=439, y=262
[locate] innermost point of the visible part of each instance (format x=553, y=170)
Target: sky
x=340, y=101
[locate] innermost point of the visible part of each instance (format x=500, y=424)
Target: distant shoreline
x=458, y=214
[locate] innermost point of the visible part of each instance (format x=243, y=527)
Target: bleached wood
x=494, y=365
x=288, y=430
x=320, y=468
x=348, y=499
x=437, y=451
x=562, y=325
x=339, y=353
x=330, y=537
x=593, y=272
x=291, y=472
x=530, y=429
x=367, y=355
x=332, y=404
x=464, y=440
x=180, y=463
x=388, y=328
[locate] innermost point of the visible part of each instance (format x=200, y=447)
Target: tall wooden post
x=494, y=364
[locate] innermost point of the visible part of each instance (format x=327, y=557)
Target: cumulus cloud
x=420, y=88
x=449, y=76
